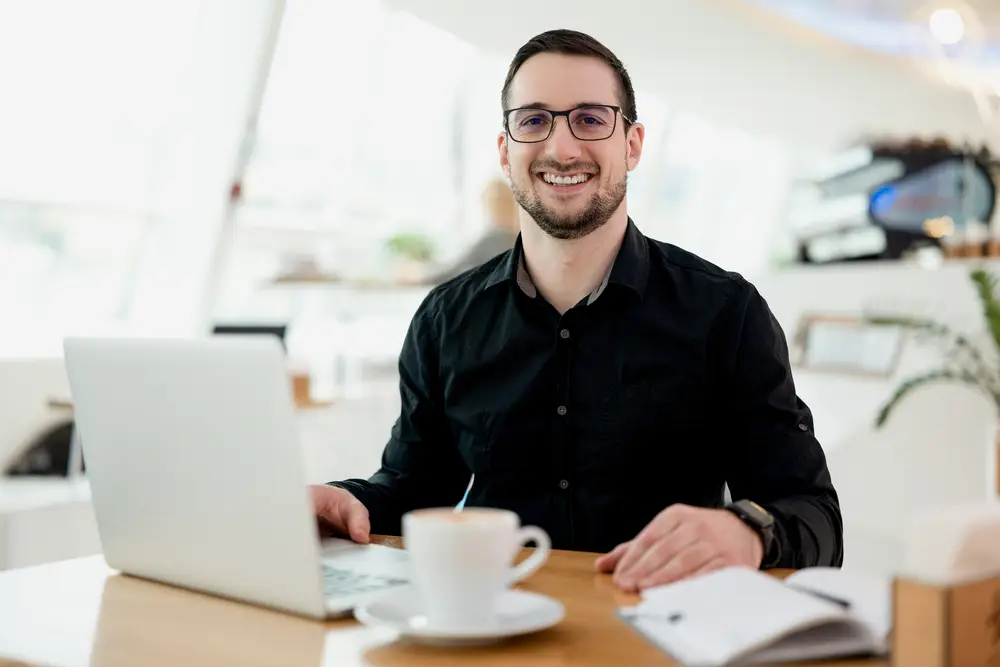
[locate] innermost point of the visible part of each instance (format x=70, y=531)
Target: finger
x=664, y=523
x=635, y=550
x=607, y=562
x=695, y=560
x=358, y=526
x=712, y=565
x=670, y=547
x=339, y=514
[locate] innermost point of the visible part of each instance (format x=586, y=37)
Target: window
x=86, y=103
x=719, y=192
x=360, y=137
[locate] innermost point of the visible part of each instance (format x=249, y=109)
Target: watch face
x=757, y=513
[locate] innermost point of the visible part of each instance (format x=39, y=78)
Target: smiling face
x=568, y=185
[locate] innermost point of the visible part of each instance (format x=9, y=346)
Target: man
x=500, y=236
x=603, y=385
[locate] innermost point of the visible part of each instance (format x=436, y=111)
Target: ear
x=502, y=148
x=633, y=145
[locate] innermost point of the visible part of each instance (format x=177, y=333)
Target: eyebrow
x=543, y=105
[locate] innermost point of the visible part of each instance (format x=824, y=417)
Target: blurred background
x=304, y=168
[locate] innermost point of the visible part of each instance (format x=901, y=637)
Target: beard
x=597, y=211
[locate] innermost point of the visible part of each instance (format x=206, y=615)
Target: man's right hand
x=340, y=513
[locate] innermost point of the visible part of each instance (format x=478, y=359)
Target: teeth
x=553, y=179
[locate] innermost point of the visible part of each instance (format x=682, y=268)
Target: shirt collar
x=630, y=268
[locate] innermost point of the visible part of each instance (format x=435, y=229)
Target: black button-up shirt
x=666, y=383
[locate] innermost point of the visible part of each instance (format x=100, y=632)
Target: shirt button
x=564, y=333
x=563, y=484
x=561, y=410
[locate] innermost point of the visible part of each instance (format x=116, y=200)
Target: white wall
x=937, y=447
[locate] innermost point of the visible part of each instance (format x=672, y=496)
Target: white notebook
x=742, y=616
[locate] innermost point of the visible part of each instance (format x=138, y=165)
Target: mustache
x=560, y=168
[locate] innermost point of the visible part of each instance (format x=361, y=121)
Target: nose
x=561, y=144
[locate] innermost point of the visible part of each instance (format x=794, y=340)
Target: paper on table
x=714, y=618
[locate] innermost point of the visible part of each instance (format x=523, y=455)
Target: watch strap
x=761, y=522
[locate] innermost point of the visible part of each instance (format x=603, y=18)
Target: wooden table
x=79, y=612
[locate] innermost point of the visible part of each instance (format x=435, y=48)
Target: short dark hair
x=571, y=42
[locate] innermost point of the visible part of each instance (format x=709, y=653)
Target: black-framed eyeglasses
x=587, y=122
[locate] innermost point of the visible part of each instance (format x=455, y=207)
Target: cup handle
x=528, y=567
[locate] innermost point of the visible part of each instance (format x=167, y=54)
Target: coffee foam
x=466, y=516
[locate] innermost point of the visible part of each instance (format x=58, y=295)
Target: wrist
x=757, y=546
x=760, y=523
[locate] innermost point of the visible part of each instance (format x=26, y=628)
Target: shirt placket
x=564, y=415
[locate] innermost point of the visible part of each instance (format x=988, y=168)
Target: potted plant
x=964, y=362
x=412, y=251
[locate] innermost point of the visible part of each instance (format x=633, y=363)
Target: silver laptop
x=197, y=477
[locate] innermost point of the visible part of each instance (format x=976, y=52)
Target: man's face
x=568, y=185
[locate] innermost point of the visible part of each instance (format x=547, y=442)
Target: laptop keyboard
x=337, y=581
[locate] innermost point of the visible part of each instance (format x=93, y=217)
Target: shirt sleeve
x=421, y=465
x=774, y=456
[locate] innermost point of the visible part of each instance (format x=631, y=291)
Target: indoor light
x=938, y=228
x=947, y=26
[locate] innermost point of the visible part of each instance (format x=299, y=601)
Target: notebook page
x=716, y=617
x=870, y=596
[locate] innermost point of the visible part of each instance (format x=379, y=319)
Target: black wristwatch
x=762, y=523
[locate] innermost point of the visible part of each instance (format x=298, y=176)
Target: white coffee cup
x=461, y=563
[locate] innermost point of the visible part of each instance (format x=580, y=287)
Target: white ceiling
x=900, y=27
x=734, y=62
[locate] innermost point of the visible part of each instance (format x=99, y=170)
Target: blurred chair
x=35, y=404
x=43, y=518
x=56, y=452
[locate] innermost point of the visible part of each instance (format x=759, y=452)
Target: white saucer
x=521, y=613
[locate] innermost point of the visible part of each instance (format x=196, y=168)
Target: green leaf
x=967, y=362
x=898, y=321
x=411, y=245
x=917, y=324
x=958, y=345
x=918, y=381
x=986, y=287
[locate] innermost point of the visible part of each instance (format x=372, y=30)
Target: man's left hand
x=679, y=542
